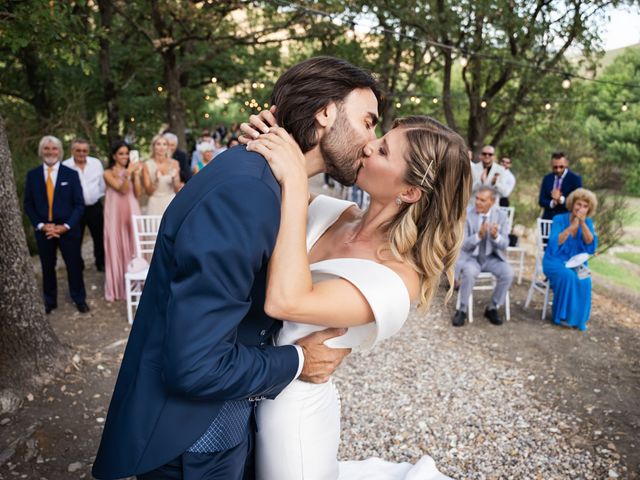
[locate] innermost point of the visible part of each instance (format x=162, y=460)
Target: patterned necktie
x=557, y=183
x=50, y=192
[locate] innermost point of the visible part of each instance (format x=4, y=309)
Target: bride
x=337, y=266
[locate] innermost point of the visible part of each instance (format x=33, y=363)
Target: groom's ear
x=327, y=115
x=411, y=195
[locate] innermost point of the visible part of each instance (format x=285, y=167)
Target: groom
x=199, y=356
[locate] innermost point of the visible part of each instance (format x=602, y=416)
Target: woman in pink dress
x=123, y=187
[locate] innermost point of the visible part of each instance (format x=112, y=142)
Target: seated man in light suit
x=483, y=250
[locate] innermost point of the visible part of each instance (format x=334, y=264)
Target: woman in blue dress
x=571, y=233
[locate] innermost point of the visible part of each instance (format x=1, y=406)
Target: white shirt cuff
x=39, y=226
x=301, y=360
x=66, y=225
x=562, y=200
x=552, y=204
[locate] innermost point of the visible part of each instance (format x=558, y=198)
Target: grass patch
x=631, y=257
x=616, y=274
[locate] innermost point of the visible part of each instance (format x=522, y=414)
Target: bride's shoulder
x=407, y=273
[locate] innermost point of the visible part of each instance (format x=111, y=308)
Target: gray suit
x=486, y=255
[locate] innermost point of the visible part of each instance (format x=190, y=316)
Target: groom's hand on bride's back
x=257, y=124
x=321, y=361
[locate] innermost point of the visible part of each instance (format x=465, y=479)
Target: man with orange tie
x=54, y=203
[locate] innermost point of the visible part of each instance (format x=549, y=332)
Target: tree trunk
x=175, y=104
x=108, y=85
x=28, y=345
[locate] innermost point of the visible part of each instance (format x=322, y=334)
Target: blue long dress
x=571, y=295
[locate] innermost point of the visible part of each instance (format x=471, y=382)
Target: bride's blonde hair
x=428, y=234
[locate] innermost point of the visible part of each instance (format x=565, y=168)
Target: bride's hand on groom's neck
x=321, y=361
x=258, y=124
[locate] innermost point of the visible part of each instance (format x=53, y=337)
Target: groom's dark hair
x=311, y=85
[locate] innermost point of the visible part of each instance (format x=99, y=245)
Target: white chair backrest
x=543, y=232
x=510, y=212
x=145, y=231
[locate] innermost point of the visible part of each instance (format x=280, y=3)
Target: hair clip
x=425, y=174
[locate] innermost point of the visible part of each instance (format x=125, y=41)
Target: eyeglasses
x=486, y=154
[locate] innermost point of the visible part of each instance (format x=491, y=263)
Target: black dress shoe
x=492, y=315
x=49, y=308
x=458, y=318
x=82, y=307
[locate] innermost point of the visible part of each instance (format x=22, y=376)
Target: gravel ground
x=436, y=394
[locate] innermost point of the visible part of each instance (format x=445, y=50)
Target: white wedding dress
x=299, y=431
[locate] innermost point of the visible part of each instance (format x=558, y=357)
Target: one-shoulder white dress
x=299, y=431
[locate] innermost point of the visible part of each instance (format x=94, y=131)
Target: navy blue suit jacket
x=200, y=334
x=569, y=184
x=68, y=202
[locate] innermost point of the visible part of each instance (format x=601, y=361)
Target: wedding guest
x=124, y=185
x=509, y=181
x=179, y=155
x=160, y=177
x=483, y=250
x=572, y=233
x=557, y=185
x=218, y=146
x=90, y=171
x=54, y=204
x=207, y=153
x=196, y=156
x=233, y=141
x=488, y=173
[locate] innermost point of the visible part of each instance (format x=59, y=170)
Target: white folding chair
x=539, y=282
x=485, y=281
x=145, y=231
x=515, y=255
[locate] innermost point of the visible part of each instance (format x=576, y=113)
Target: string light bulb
x=214, y=80
x=417, y=100
x=132, y=119
x=483, y=104
x=434, y=99
x=206, y=115
x=547, y=106
x=159, y=88
x=398, y=105
x=624, y=107
x=464, y=61
x=254, y=85
x=566, y=83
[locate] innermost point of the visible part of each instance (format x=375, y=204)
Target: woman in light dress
x=335, y=265
x=121, y=202
x=160, y=177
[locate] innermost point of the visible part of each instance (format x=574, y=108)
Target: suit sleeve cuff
x=301, y=361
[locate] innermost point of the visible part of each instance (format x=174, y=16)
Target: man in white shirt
x=91, y=173
x=488, y=173
x=509, y=181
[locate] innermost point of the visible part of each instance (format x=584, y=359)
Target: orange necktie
x=50, y=192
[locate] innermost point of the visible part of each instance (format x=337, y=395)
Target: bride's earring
x=398, y=201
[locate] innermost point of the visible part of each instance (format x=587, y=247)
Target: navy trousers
x=236, y=463
x=70, y=249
